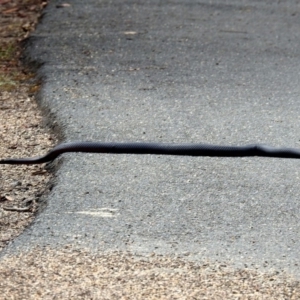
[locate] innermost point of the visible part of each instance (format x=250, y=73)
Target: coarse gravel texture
x=21, y=187
x=46, y=273
x=22, y=131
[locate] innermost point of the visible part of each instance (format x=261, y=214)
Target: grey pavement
x=220, y=72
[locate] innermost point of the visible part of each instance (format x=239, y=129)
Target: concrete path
x=221, y=72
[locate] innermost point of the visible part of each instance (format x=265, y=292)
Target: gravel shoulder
x=22, y=129
x=68, y=272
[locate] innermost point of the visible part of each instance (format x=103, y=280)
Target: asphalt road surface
x=220, y=72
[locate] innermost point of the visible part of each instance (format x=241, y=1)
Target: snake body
x=158, y=148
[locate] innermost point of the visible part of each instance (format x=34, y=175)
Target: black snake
x=159, y=148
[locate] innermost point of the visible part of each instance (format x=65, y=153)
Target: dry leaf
x=6, y=198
